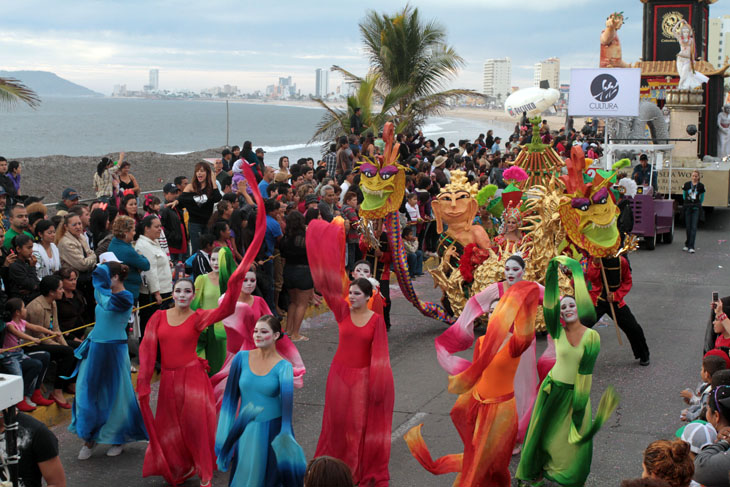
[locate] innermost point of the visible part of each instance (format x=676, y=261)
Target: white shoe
x=691, y=251
x=685, y=248
x=85, y=452
x=30, y=403
x=114, y=451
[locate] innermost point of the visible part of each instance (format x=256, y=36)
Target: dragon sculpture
x=383, y=184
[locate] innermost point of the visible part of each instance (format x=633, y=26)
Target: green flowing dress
x=558, y=444
x=212, y=341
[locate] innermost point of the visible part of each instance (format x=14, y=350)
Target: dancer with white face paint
x=239, y=332
x=212, y=341
x=460, y=336
x=559, y=445
x=182, y=433
x=363, y=270
x=262, y=381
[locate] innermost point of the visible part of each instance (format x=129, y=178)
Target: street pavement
x=670, y=298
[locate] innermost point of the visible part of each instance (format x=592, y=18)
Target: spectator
x=70, y=307
x=670, y=461
x=157, y=283
x=73, y=249
x=14, y=175
x=356, y=124
x=271, y=242
x=200, y=261
x=414, y=255
x=199, y=198
x=349, y=212
x=249, y=155
x=45, y=250
x=18, y=224
x=226, y=160
x=17, y=362
x=42, y=311
x=104, y=178
x=283, y=167
x=343, y=159
x=643, y=173
x=22, y=280
x=347, y=179
x=327, y=471
x=121, y=245
x=151, y=206
x=311, y=214
x=126, y=179
x=82, y=210
x=297, y=275
x=330, y=160
x=5, y=182
x=69, y=198
x=173, y=222
x=129, y=207
x=181, y=183
x=713, y=361
x=712, y=464
x=39, y=460
x=101, y=235
x=222, y=232
x=265, y=181
x=327, y=203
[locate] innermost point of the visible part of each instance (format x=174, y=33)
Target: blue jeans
x=31, y=369
x=691, y=218
x=415, y=263
x=195, y=230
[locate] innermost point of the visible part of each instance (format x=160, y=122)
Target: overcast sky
x=250, y=44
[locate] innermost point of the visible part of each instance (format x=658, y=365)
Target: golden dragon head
x=383, y=179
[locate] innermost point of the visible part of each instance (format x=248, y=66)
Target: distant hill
x=45, y=83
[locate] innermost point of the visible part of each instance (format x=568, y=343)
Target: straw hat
x=439, y=161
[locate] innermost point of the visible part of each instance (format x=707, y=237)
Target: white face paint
x=513, y=271
x=214, y=263
x=358, y=299
x=249, y=283
x=183, y=294
x=263, y=335
x=568, y=310
x=361, y=270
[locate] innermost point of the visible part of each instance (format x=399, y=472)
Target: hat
x=439, y=161
x=281, y=177
x=718, y=352
x=260, y=150
x=697, y=434
x=69, y=194
x=108, y=257
x=310, y=198
x=170, y=188
x=593, y=144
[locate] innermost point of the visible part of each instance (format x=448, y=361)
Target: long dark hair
x=237, y=218
x=41, y=227
x=209, y=186
x=103, y=164
x=98, y=222
x=246, y=149
x=295, y=226
x=123, y=206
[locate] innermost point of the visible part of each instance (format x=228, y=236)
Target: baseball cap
x=69, y=194
x=697, y=434
x=260, y=150
x=170, y=188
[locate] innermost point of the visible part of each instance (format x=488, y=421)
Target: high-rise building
x=719, y=36
x=497, y=77
x=548, y=70
x=154, y=83
x=321, y=83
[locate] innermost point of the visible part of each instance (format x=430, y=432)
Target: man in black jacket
x=6, y=182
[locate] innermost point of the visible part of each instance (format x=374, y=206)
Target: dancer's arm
x=326, y=254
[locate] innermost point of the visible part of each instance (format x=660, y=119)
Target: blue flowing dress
x=257, y=441
x=105, y=409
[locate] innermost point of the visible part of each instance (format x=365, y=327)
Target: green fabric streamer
x=551, y=304
x=620, y=164
x=226, y=267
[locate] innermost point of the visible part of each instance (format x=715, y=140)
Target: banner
x=604, y=92
x=665, y=46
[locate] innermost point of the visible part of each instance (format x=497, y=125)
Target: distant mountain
x=45, y=83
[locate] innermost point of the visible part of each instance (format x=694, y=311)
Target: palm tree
x=12, y=91
x=336, y=121
x=408, y=52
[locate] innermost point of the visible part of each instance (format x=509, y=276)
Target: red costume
x=358, y=409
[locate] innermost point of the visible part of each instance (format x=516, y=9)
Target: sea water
x=97, y=126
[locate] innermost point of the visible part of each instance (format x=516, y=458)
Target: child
x=32, y=368
x=414, y=254
x=151, y=206
x=697, y=434
x=713, y=361
x=200, y=260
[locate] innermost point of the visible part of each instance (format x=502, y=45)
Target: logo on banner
x=604, y=88
x=669, y=20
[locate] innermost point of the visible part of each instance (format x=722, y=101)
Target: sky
x=198, y=45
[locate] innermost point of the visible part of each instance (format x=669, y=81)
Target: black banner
x=665, y=46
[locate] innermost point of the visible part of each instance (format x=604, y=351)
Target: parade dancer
x=558, y=445
x=182, y=434
x=485, y=414
x=257, y=440
x=358, y=407
x=105, y=409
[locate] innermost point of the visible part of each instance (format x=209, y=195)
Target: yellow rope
x=48, y=337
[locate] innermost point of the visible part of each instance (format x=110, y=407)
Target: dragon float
x=571, y=214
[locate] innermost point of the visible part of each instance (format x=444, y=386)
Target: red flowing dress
x=182, y=433
x=359, y=398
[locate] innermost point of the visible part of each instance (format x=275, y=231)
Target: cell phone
x=715, y=296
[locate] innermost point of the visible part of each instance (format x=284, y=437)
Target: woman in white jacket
x=156, y=282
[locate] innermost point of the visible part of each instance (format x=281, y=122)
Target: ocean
x=97, y=126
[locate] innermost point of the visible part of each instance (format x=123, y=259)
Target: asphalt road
x=670, y=299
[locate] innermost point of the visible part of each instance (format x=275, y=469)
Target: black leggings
x=63, y=356
x=628, y=324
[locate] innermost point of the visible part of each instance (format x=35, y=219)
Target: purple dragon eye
x=601, y=196
x=388, y=172
x=369, y=170
x=581, y=204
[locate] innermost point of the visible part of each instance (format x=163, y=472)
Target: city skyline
x=77, y=41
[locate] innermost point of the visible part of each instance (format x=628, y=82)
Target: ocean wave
x=181, y=153
x=282, y=148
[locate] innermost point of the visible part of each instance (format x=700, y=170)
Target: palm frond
x=13, y=91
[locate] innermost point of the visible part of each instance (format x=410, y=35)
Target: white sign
x=604, y=92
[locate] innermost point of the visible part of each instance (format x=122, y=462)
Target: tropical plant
x=13, y=91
